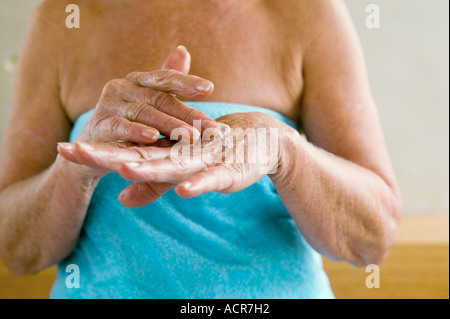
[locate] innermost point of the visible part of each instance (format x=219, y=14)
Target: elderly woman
x=138, y=224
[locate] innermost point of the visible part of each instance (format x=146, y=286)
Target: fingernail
x=124, y=194
x=66, y=146
x=85, y=146
x=150, y=134
x=206, y=124
x=181, y=47
x=204, y=86
x=192, y=186
x=186, y=184
x=132, y=164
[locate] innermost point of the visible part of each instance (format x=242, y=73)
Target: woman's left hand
x=250, y=149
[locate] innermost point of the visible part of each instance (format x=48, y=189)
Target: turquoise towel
x=241, y=245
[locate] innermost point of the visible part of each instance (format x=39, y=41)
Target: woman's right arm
x=43, y=197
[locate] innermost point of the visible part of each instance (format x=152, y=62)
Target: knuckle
x=157, y=77
x=126, y=130
x=161, y=100
x=95, y=128
x=91, y=130
x=137, y=112
x=110, y=86
x=122, y=84
x=115, y=125
x=171, y=75
x=162, y=77
x=182, y=110
x=114, y=86
x=102, y=105
x=133, y=75
x=147, y=95
x=191, y=114
x=107, y=109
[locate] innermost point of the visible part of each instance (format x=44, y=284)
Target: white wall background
x=408, y=62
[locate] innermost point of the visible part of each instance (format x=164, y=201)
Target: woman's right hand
x=141, y=106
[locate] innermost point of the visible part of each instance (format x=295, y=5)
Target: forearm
x=345, y=211
x=41, y=217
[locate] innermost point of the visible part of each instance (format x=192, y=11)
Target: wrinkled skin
x=201, y=173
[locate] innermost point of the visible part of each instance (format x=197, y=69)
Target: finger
x=119, y=128
x=108, y=156
x=143, y=193
x=164, y=142
x=159, y=170
x=116, y=86
x=216, y=178
x=174, y=82
x=179, y=60
x=66, y=150
x=170, y=105
x=164, y=123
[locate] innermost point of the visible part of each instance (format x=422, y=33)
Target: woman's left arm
x=344, y=210
x=339, y=185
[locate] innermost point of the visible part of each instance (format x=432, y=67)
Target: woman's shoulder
x=308, y=19
x=54, y=20
x=306, y=12
x=61, y=27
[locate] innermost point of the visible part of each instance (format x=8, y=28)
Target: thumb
x=178, y=60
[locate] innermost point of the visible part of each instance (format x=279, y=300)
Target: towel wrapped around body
x=240, y=245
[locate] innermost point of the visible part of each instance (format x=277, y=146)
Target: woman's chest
x=244, y=52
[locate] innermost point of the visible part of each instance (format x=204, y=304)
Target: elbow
x=19, y=254
x=381, y=237
x=23, y=268
x=20, y=270
x=22, y=262
x=375, y=254
x=18, y=266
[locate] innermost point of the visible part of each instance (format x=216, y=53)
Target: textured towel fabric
x=241, y=245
